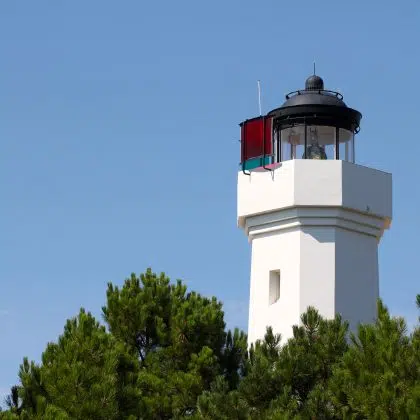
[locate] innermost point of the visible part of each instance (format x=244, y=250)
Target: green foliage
x=166, y=355
x=262, y=382
x=80, y=375
x=233, y=357
x=82, y=363
x=179, y=337
x=220, y=404
x=319, y=373
x=293, y=380
x=379, y=376
x=164, y=347
x=138, y=314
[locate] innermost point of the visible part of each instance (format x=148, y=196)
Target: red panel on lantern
x=254, y=134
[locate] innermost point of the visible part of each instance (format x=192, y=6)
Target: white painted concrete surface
x=319, y=224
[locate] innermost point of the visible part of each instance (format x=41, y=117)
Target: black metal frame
x=279, y=150
x=319, y=91
x=337, y=143
x=341, y=117
x=263, y=142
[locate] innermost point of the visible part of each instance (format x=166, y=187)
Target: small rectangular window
x=274, y=286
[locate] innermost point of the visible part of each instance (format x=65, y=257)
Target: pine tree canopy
x=164, y=352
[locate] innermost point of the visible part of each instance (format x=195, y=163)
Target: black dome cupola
x=314, y=83
x=316, y=104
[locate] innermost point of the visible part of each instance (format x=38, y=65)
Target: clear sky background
x=119, y=143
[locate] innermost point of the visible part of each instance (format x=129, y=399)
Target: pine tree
x=167, y=355
x=180, y=340
x=220, y=404
x=379, y=376
x=79, y=377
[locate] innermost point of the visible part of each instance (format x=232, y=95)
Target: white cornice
x=301, y=217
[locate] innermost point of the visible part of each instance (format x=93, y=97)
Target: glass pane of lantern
x=292, y=142
x=321, y=142
x=277, y=153
x=286, y=150
x=346, y=145
x=256, y=138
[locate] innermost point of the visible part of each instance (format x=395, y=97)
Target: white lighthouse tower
x=313, y=216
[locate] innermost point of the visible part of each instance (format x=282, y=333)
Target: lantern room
x=313, y=123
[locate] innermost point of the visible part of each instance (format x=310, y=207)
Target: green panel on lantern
x=251, y=164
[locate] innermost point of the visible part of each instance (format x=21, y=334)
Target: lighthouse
x=313, y=216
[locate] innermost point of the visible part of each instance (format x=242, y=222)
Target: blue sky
x=118, y=143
